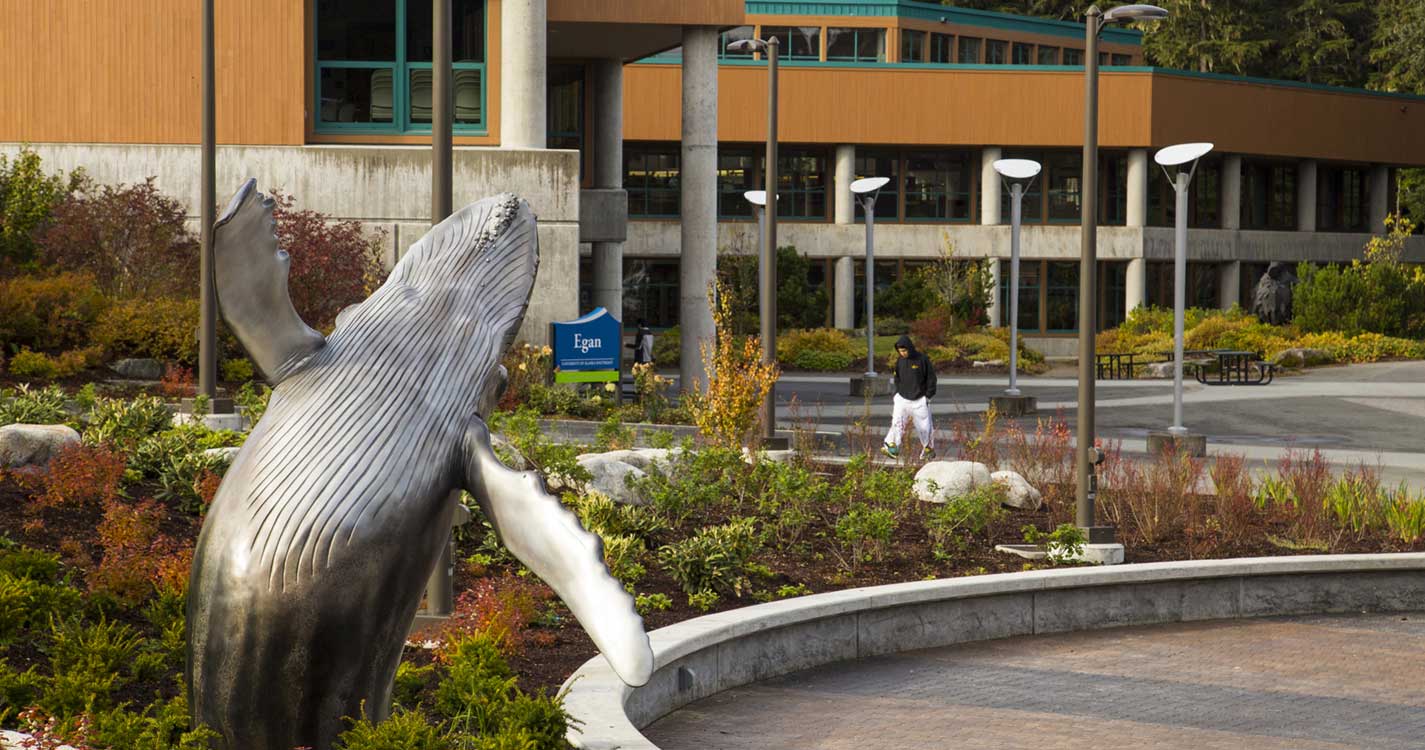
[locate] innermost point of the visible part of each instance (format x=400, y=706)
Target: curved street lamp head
x=1135, y=13
x=869, y=185
x=1017, y=169
x=1182, y=153
x=756, y=197
x=747, y=45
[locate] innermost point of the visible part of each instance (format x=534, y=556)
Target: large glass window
x=996, y=52
x=1061, y=297
x=1268, y=195
x=1204, y=196
x=797, y=42
x=1073, y=56
x=1120, y=60
x=734, y=35
x=1199, y=291
x=650, y=175
x=650, y=291
x=1341, y=200
x=937, y=186
x=856, y=45
x=565, y=111
x=873, y=163
x=373, y=78
x=1048, y=55
x=801, y=183
x=912, y=46
x=1064, y=178
x=942, y=48
x=1023, y=54
x=1113, y=188
x=737, y=172
x=969, y=50
x=1029, y=275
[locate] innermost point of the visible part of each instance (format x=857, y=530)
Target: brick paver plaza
x=1307, y=683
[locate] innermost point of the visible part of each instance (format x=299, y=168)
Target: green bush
x=163, y=329
x=968, y=514
x=666, y=348
x=26, y=604
x=714, y=559
x=125, y=422
x=33, y=406
x=1376, y=297
x=27, y=198
x=820, y=361
x=404, y=730
x=824, y=349
x=866, y=532
x=33, y=366
x=49, y=313
x=237, y=370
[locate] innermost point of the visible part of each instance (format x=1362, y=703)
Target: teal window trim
x=400, y=86
x=927, y=11
x=856, y=33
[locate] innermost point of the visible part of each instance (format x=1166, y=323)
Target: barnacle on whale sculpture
x=313, y=558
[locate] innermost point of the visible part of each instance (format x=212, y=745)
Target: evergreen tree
x=1326, y=41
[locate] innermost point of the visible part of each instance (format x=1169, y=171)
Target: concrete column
x=1135, y=292
x=1229, y=284
x=524, y=76
x=845, y=175
x=1380, y=197
x=1138, y=176
x=608, y=175
x=990, y=187
x=844, y=304
x=1232, y=192
x=997, y=270
x=1306, y=196
x=698, y=265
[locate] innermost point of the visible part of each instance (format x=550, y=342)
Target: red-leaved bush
x=137, y=558
x=503, y=607
x=78, y=475
x=177, y=382
x=334, y=263
x=131, y=238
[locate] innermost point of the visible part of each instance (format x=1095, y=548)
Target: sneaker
x=927, y=454
x=890, y=450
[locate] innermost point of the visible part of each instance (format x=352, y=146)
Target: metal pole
x=440, y=119
x=1083, y=468
x=1180, y=186
x=767, y=276
x=207, y=197
x=868, y=204
x=440, y=592
x=1016, y=197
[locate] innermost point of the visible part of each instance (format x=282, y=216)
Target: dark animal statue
x=1271, y=300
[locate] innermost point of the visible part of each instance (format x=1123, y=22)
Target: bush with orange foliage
x=78, y=475
x=177, y=382
x=503, y=607
x=137, y=559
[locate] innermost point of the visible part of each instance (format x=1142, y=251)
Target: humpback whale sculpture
x=312, y=560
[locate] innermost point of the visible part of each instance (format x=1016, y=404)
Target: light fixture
x=1135, y=13
x=756, y=197
x=747, y=45
x=1017, y=169
x=868, y=185
x=1174, y=156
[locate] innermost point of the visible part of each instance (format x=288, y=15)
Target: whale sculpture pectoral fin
x=250, y=276
x=547, y=538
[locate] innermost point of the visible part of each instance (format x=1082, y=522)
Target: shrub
x=49, y=313
x=33, y=406
x=821, y=361
x=1405, y=518
x=503, y=608
x=714, y=559
x=737, y=382
x=177, y=382
x=79, y=476
x=1155, y=500
x=334, y=263
x=129, y=539
x=89, y=662
x=251, y=400
x=26, y=604
x=238, y=370
x=125, y=422
x=404, y=730
x=1064, y=544
x=1232, y=506
x=667, y=348
x=1379, y=295
x=866, y=533
x=970, y=513
x=133, y=239
x=33, y=365
x=604, y=517
x=162, y=329
x=792, y=344
x=910, y=297
x=652, y=390
x=27, y=197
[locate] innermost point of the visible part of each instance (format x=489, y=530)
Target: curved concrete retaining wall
x=703, y=656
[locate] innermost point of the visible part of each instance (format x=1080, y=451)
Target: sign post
x=588, y=350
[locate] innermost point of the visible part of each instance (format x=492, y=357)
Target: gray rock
x=1159, y=370
x=1019, y=493
x=33, y=444
x=1302, y=357
x=610, y=477
x=139, y=369
x=988, y=363
x=938, y=481
x=642, y=458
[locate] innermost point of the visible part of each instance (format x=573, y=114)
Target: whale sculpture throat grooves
x=314, y=555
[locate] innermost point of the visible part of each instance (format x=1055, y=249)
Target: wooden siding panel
x=105, y=72
x=897, y=106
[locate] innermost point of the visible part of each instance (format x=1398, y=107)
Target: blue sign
x=593, y=343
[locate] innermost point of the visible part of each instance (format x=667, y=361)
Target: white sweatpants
x=918, y=411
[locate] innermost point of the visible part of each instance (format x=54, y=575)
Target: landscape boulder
x=939, y=481
x=1018, y=492
x=1300, y=357
x=610, y=477
x=33, y=444
x=139, y=369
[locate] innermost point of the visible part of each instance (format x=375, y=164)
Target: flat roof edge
x=933, y=12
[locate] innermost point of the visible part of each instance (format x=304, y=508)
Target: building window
x=912, y=46
x=1200, y=289
x=1029, y=274
x=1073, y=56
x=856, y=45
x=1204, y=197
x=1113, y=293
x=1048, y=55
x=797, y=42
x=1268, y=195
x=1341, y=200
x=737, y=172
x=1121, y=60
x=1061, y=297
x=1023, y=54
x=373, y=78
x=1113, y=188
x=969, y=51
x=734, y=35
x=801, y=183
x=996, y=52
x=872, y=163
x=942, y=48
x=1063, y=174
x=937, y=186
x=650, y=291
x=564, y=115
x=650, y=175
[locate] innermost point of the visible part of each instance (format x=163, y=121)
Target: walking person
x=914, y=378
x=642, y=345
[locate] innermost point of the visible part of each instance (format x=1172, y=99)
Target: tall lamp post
x=767, y=263
x=1019, y=174
x=1086, y=455
x=1184, y=156
x=866, y=190
x=207, y=198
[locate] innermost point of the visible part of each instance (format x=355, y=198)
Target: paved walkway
x=1307, y=683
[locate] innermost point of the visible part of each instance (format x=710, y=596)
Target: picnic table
x=1237, y=368
x=1116, y=366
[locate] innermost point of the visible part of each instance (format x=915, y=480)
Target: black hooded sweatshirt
x=914, y=375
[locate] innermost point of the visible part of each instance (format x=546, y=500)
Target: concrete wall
x=384, y=187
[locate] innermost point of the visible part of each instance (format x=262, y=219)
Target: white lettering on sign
x=585, y=344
